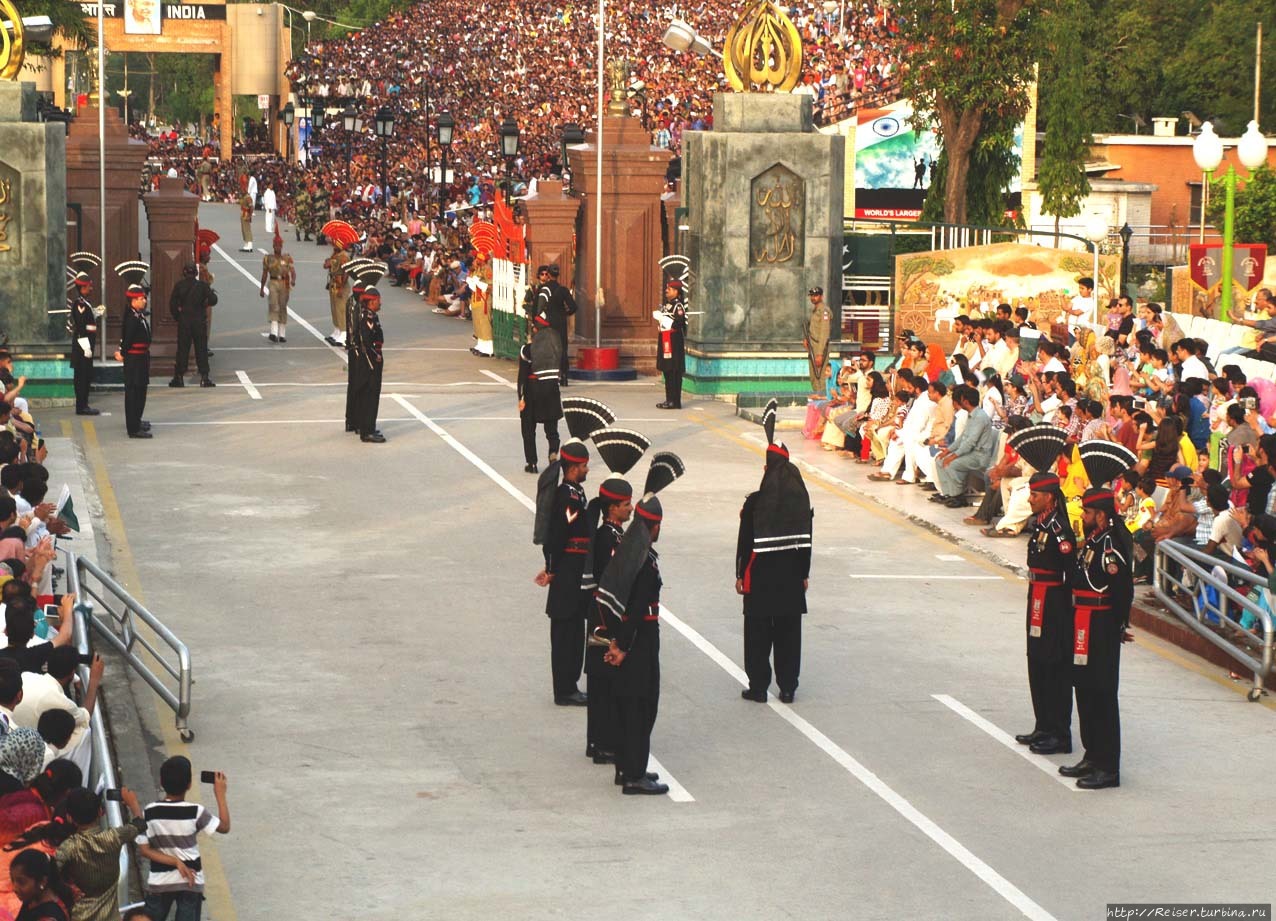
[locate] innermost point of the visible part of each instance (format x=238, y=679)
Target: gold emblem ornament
x=6, y=189
x=11, y=49
x=763, y=50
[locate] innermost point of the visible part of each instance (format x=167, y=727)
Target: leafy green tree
x=1061, y=174
x=68, y=23
x=1255, y=208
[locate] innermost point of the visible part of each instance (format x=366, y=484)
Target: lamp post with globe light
x=446, y=125
x=1207, y=150
x=1096, y=231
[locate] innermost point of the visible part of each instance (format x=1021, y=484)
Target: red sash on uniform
x=1042, y=579
x=666, y=343
x=577, y=545
x=1086, y=603
x=748, y=574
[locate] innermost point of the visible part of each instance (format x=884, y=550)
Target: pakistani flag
x=66, y=509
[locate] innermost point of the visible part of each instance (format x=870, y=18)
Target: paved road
x=373, y=675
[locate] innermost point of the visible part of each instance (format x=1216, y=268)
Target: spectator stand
x=1221, y=601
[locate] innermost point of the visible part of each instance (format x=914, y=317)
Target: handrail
x=101, y=762
x=119, y=631
x=1235, y=641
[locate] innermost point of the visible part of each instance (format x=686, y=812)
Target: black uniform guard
x=534, y=399
x=83, y=326
x=368, y=353
x=1052, y=549
x=614, y=507
x=773, y=564
x=356, y=368
x=556, y=303
x=1102, y=592
x=671, y=347
x=189, y=304
x=630, y=597
x=135, y=354
x=564, y=534
x=540, y=400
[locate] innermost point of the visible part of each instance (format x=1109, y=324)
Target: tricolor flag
x=66, y=509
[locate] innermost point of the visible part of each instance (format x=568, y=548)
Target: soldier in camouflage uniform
x=319, y=212
x=301, y=206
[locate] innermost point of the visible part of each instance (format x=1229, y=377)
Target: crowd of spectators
x=1204, y=434
x=57, y=859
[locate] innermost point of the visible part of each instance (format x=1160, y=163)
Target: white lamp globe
x=1252, y=148
x=1207, y=149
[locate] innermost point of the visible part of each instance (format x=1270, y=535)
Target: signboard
x=894, y=163
x=263, y=101
x=144, y=17
x=1249, y=261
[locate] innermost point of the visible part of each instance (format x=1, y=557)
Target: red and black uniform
x=1102, y=587
x=601, y=735
x=83, y=326
x=529, y=397
x=565, y=549
x=671, y=351
x=1052, y=549
x=135, y=349
x=636, y=685
x=367, y=352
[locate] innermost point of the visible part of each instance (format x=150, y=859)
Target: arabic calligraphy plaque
x=777, y=218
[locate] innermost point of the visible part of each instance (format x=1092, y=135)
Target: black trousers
x=527, y=420
x=566, y=653
x=353, y=383
x=602, y=723
x=82, y=369
x=191, y=332
x=1100, y=718
x=1050, y=684
x=673, y=387
x=784, y=636
x=367, y=400
x=562, y=337
x=137, y=375
x=637, y=718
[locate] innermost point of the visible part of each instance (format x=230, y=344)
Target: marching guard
x=539, y=397
x=671, y=348
x=366, y=354
x=278, y=277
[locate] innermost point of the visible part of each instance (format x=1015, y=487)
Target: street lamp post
x=385, y=130
x=1207, y=150
x=351, y=121
x=509, y=150
x=1126, y=233
x=1096, y=231
x=446, y=125
x=290, y=114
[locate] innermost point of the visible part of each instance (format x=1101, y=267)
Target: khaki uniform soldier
x=818, y=328
x=338, y=291
x=278, y=275
x=205, y=173
x=246, y=222
x=318, y=213
x=301, y=216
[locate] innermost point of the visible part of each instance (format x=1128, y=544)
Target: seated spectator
x=969, y=455
x=1225, y=532
x=19, y=629
x=173, y=824
x=56, y=727
x=1175, y=518
x=42, y=693
x=21, y=757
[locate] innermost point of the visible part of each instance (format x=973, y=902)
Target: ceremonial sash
x=1086, y=604
x=1041, y=579
x=577, y=545
x=666, y=343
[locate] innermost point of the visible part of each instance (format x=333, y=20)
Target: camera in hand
x=207, y=776
x=112, y=795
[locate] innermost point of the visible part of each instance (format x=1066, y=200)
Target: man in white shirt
x=268, y=202
x=906, y=441
x=1084, y=303
x=1190, y=366
x=44, y=692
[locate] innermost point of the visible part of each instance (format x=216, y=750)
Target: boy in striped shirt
x=170, y=842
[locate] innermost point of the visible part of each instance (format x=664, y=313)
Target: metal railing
x=1218, y=619
x=118, y=627
x=101, y=762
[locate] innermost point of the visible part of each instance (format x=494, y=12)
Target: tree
x=69, y=24
x=1061, y=175
x=1255, y=213
x=967, y=63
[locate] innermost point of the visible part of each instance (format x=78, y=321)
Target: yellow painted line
x=1153, y=644
x=216, y=886
x=872, y=507
x=66, y=428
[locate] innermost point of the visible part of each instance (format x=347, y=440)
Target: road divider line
x=248, y=385
x=1000, y=735
x=923, y=577
x=677, y=792
x=305, y=324
x=500, y=380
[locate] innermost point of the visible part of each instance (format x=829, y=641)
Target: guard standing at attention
x=773, y=568
x=301, y=212
x=356, y=366
x=319, y=213
x=83, y=327
x=135, y=348
x=557, y=304
x=246, y=221
x=671, y=348
x=278, y=275
x=189, y=305
x=337, y=293
x=1102, y=586
x=368, y=351
x=562, y=530
x=539, y=400
x=1052, y=549
x=816, y=338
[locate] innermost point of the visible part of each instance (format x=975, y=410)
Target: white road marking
x=998, y=883
x=248, y=385
x=380, y=419
x=677, y=792
x=496, y=377
x=923, y=577
x=256, y=283
x=950, y=557
x=325, y=347
x=1037, y=761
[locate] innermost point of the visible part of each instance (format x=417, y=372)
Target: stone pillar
x=170, y=217
x=551, y=230
x=124, y=160
x=32, y=220
x=633, y=181
x=764, y=193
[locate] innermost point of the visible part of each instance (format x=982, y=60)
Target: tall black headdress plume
x=585, y=416
x=1040, y=445
x=1104, y=461
x=620, y=449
